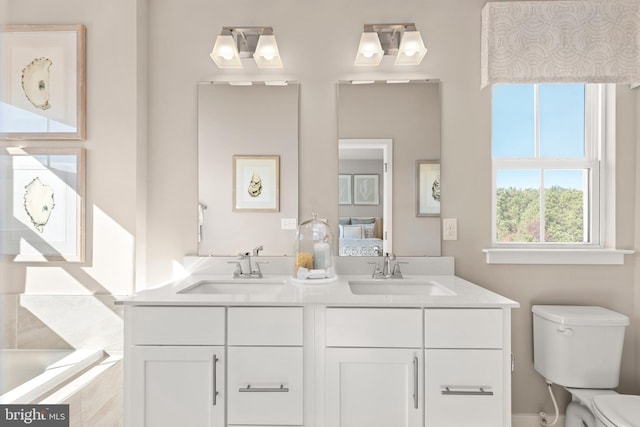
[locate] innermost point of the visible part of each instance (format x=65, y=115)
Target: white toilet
x=580, y=348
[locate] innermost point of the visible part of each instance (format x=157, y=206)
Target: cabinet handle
x=249, y=389
x=415, y=382
x=467, y=392
x=215, y=380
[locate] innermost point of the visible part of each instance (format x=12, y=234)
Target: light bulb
x=368, y=53
x=268, y=54
x=226, y=54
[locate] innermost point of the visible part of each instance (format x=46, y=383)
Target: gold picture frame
x=42, y=82
x=42, y=204
x=256, y=183
x=428, y=188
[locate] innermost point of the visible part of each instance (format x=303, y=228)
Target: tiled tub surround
x=28, y=375
x=70, y=322
x=324, y=348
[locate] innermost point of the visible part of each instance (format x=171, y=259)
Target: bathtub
x=27, y=375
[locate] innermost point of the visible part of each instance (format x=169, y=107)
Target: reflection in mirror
x=365, y=196
x=409, y=115
x=247, y=167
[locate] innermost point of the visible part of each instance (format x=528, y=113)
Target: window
x=548, y=152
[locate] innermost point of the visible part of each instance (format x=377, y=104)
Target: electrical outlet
x=288, y=223
x=449, y=229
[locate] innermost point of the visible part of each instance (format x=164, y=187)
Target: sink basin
x=236, y=286
x=398, y=287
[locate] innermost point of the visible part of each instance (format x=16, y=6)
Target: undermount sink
x=236, y=286
x=398, y=287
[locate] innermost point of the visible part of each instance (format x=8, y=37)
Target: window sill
x=556, y=256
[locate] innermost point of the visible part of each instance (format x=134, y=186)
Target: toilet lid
x=620, y=410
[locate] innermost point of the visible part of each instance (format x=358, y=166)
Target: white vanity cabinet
x=465, y=362
x=373, y=367
x=177, y=369
x=215, y=366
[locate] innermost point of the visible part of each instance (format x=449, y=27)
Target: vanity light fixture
x=401, y=40
x=235, y=43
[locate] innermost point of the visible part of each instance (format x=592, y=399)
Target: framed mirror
x=247, y=167
x=407, y=115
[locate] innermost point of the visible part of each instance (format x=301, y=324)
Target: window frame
x=600, y=155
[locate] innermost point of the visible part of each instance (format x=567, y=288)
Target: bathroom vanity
x=430, y=349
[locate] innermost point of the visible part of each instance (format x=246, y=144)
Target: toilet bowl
x=616, y=410
x=580, y=348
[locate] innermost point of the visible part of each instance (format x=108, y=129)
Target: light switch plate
x=288, y=223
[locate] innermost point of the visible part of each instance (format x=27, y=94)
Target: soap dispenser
x=314, y=252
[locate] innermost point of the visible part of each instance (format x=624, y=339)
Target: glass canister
x=314, y=252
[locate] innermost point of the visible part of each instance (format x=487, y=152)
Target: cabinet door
x=464, y=388
x=373, y=387
x=177, y=386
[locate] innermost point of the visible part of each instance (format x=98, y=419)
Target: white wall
x=71, y=304
x=317, y=42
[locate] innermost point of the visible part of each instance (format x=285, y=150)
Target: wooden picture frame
x=42, y=82
x=428, y=188
x=42, y=204
x=345, y=189
x=256, y=183
x=366, y=189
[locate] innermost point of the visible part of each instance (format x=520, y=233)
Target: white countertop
x=337, y=293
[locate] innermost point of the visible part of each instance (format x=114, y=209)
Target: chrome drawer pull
x=480, y=392
x=415, y=382
x=215, y=380
x=249, y=389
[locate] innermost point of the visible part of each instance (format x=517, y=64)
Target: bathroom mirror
x=406, y=115
x=247, y=167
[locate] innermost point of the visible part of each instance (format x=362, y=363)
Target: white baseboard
x=532, y=420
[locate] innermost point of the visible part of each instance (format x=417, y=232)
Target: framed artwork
x=256, y=183
x=344, y=190
x=42, y=204
x=366, y=189
x=428, y=188
x=42, y=82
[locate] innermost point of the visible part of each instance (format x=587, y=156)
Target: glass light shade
x=267, y=54
x=369, y=51
x=411, y=50
x=225, y=52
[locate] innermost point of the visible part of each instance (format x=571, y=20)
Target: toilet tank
x=578, y=346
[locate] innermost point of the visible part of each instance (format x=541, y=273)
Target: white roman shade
x=590, y=41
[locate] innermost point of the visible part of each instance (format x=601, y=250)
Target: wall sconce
x=235, y=43
x=401, y=40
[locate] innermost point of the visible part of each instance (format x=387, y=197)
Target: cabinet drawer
x=264, y=385
x=463, y=328
x=265, y=326
x=464, y=388
x=373, y=327
x=177, y=325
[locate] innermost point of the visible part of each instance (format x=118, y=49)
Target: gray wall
x=128, y=179
x=354, y=167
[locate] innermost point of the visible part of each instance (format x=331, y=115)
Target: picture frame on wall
x=428, y=188
x=42, y=82
x=366, y=189
x=42, y=204
x=344, y=189
x=256, y=183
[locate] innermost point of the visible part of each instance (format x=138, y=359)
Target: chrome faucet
x=390, y=268
x=248, y=272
